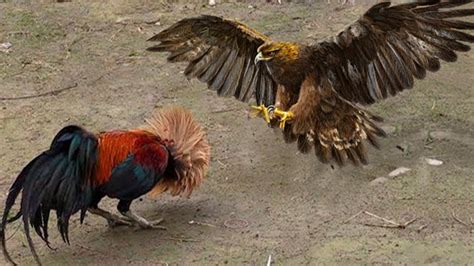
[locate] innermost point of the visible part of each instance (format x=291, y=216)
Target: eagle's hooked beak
x=259, y=57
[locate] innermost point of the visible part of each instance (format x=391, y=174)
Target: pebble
x=433, y=162
x=5, y=46
x=439, y=135
x=399, y=171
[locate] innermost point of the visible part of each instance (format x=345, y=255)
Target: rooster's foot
x=144, y=223
x=112, y=219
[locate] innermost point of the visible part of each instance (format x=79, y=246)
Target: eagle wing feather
x=380, y=54
x=221, y=53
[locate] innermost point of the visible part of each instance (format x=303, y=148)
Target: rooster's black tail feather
x=60, y=179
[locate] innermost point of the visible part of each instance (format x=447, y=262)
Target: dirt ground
x=261, y=197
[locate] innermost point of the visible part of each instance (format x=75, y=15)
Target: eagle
x=317, y=93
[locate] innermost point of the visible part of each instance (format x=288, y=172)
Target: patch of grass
x=32, y=30
x=23, y=19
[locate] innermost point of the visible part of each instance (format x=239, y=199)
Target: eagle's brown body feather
x=323, y=84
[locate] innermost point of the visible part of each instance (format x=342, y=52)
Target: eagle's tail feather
x=345, y=140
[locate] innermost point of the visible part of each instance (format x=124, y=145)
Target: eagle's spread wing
x=382, y=52
x=221, y=53
x=377, y=56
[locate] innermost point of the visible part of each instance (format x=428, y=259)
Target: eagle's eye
x=271, y=53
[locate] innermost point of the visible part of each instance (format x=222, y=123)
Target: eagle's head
x=277, y=52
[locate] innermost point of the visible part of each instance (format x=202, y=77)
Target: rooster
x=171, y=153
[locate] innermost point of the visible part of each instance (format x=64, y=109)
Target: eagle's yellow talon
x=284, y=116
x=261, y=109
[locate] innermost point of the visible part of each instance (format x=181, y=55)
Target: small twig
x=11, y=33
x=71, y=44
x=462, y=222
x=180, y=239
x=410, y=222
x=269, y=261
x=459, y=220
x=381, y=218
x=221, y=163
x=49, y=93
x=381, y=225
x=422, y=227
x=353, y=216
x=117, y=32
x=200, y=223
x=92, y=82
x=401, y=226
x=58, y=91
x=391, y=224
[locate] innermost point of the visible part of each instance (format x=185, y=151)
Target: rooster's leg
x=112, y=219
x=124, y=208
